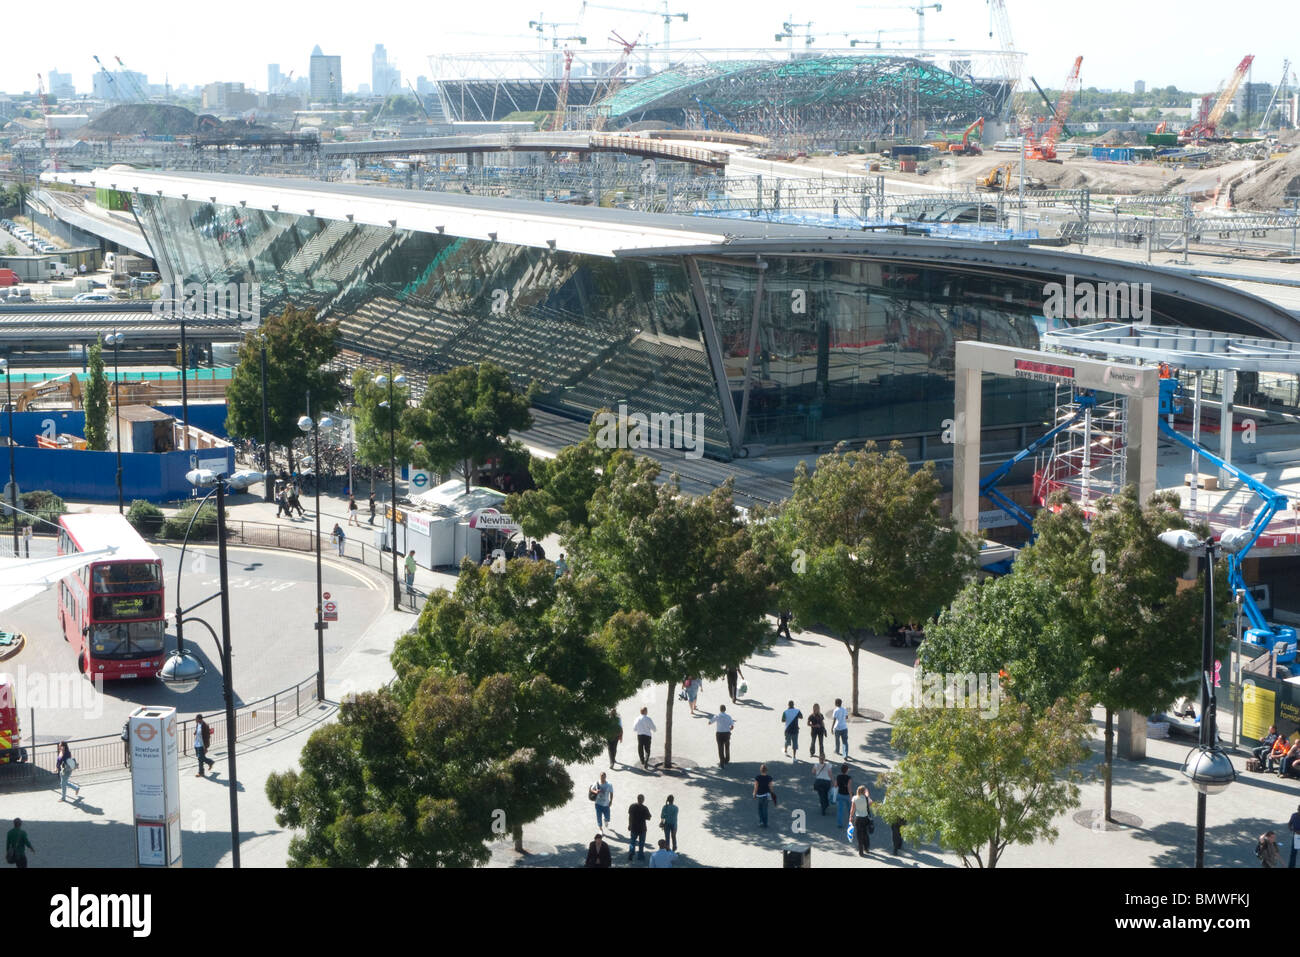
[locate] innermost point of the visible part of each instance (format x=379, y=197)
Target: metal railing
x=110, y=752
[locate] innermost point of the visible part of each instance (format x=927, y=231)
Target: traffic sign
x=331, y=611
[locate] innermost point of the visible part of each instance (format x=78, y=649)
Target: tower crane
x=1208, y=126
x=1045, y=148
x=562, y=99
x=787, y=33
x=667, y=17
x=614, y=78
x=854, y=41
x=1010, y=62
x=919, y=10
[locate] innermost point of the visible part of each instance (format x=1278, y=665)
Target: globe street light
x=115, y=339
x=1207, y=767
x=390, y=380
x=182, y=671
x=13, y=484
x=307, y=424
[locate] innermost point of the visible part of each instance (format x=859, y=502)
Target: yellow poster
x=1257, y=708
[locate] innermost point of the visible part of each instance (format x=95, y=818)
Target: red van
x=9, y=278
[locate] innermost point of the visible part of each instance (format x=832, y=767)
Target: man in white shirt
x=644, y=727
x=792, y=716
x=840, y=725
x=662, y=857
x=725, y=723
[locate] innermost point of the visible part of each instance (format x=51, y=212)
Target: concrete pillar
x=1132, y=735
x=1140, y=454
x=1228, y=386
x=966, y=448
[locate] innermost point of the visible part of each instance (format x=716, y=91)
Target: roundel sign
x=419, y=479
x=331, y=611
x=145, y=732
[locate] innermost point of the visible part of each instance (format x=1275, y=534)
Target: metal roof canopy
x=1178, y=346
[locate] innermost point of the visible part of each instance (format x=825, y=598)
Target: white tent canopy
x=24, y=578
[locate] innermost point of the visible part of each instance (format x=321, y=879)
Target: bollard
x=796, y=855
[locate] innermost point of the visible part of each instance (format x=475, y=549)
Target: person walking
x=282, y=504
x=1269, y=854
x=410, y=571
x=604, y=792
x=662, y=857
x=862, y=822
x=817, y=732
x=17, y=844
x=896, y=832
x=27, y=540
x=638, y=819
x=791, y=717
x=668, y=823
x=692, y=688
x=1294, y=825
x=783, y=625
x=725, y=723
x=733, y=676
x=840, y=725
x=822, y=783
x=843, y=797
x=561, y=567
x=295, y=503
x=372, y=508
x=202, y=738
x=763, y=793
x=352, y=509
x=338, y=537
x=65, y=765
x=615, y=735
x=644, y=728
x=598, y=853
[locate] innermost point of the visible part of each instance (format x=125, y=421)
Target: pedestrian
x=896, y=832
x=725, y=723
x=843, y=797
x=372, y=508
x=604, y=792
x=862, y=823
x=282, y=504
x=644, y=727
x=791, y=718
x=561, y=567
x=692, y=688
x=668, y=823
x=662, y=857
x=1269, y=854
x=822, y=783
x=840, y=725
x=817, y=732
x=615, y=737
x=338, y=537
x=1294, y=825
x=202, y=738
x=733, y=675
x=410, y=571
x=783, y=625
x=352, y=509
x=638, y=818
x=65, y=765
x=17, y=845
x=598, y=853
x=763, y=793
x=27, y=540
x=539, y=553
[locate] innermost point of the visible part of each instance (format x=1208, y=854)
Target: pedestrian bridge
x=557, y=142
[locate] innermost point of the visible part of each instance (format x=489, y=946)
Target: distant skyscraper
x=326, y=77
x=1139, y=86
x=384, y=77
x=273, y=78
x=61, y=84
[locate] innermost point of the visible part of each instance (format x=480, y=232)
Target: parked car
x=93, y=297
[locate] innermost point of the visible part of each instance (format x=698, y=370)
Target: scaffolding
x=1087, y=458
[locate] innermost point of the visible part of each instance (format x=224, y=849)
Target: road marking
x=287, y=553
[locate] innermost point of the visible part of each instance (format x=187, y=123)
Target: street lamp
x=307, y=424
x=390, y=380
x=181, y=672
x=1207, y=766
x=13, y=484
x=115, y=339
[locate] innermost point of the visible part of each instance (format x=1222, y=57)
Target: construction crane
x=420, y=101
x=1009, y=59
x=1051, y=107
x=664, y=14
x=50, y=132
x=787, y=33
x=1279, y=95
x=613, y=79
x=136, y=89
x=284, y=84
x=1207, y=125
x=562, y=99
x=1045, y=148
x=920, y=17
x=540, y=26
x=113, y=87
x=855, y=41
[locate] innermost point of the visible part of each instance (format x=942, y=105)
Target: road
x=272, y=610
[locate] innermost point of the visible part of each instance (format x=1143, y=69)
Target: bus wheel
x=81, y=664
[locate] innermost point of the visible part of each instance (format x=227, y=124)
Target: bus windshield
x=120, y=577
x=127, y=639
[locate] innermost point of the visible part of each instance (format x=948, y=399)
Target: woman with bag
x=822, y=783
x=692, y=687
x=862, y=822
x=817, y=732
x=65, y=765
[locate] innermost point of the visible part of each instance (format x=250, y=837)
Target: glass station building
x=784, y=337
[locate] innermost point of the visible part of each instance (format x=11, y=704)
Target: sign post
x=155, y=786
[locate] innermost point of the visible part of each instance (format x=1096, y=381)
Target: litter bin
x=797, y=855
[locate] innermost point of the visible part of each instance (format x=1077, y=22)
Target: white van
x=55, y=270
x=108, y=261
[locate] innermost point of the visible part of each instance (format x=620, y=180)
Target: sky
x=1192, y=44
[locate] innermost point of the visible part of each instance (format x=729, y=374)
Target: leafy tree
x=423, y=785
x=375, y=441
x=565, y=486
x=95, y=399
x=681, y=589
x=978, y=784
x=862, y=546
x=465, y=416
x=1140, y=632
x=298, y=349
x=1016, y=625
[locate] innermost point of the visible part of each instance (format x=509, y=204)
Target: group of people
x=1277, y=752
x=638, y=821
x=792, y=718
x=287, y=499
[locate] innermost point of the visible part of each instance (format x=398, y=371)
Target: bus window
x=139, y=637
x=121, y=577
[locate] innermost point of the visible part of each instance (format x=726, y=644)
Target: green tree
x=978, y=784
x=379, y=427
x=95, y=399
x=681, y=589
x=861, y=546
x=298, y=349
x=1140, y=632
x=565, y=486
x=465, y=416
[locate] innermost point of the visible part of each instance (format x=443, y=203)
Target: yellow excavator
x=999, y=179
x=65, y=390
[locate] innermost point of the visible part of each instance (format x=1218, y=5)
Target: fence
x=110, y=752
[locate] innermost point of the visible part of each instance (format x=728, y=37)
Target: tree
x=1140, y=632
x=862, y=547
x=95, y=399
x=565, y=486
x=978, y=784
x=422, y=786
x=680, y=587
x=1015, y=625
x=465, y=416
x=298, y=349
x=373, y=422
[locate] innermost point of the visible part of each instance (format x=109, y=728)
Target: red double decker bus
x=111, y=611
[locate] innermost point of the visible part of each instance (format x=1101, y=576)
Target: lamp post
x=390, y=380
x=115, y=339
x=308, y=424
x=181, y=672
x=267, y=481
x=13, y=484
x=1207, y=766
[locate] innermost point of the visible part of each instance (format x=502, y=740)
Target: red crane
x=1045, y=148
x=51, y=133
x=1207, y=124
x=562, y=101
x=613, y=79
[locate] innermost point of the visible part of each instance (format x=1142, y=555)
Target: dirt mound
x=1121, y=138
x=1270, y=185
x=153, y=119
